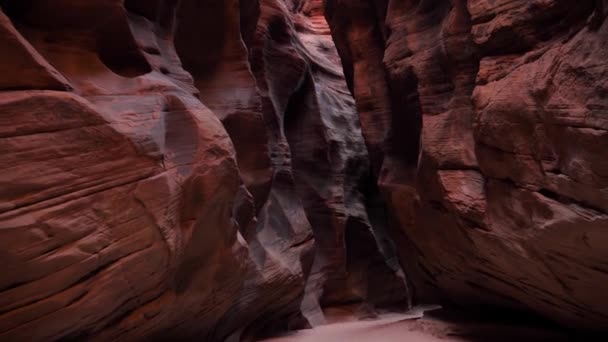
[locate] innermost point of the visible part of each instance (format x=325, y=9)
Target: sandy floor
x=384, y=329
x=413, y=328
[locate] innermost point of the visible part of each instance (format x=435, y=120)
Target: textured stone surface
x=187, y=169
x=486, y=124
x=180, y=169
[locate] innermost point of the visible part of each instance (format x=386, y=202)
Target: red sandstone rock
x=180, y=170
x=200, y=170
x=505, y=199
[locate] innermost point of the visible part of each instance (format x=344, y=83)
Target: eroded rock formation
x=486, y=123
x=180, y=169
x=220, y=169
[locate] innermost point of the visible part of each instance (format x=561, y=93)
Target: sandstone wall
x=486, y=123
x=180, y=169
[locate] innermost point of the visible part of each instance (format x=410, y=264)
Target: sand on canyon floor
x=420, y=326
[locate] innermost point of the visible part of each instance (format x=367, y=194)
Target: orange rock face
x=486, y=123
x=180, y=169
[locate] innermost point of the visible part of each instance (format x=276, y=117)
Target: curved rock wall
x=486, y=122
x=180, y=169
x=183, y=169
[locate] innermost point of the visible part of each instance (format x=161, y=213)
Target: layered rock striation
x=486, y=123
x=180, y=170
x=223, y=169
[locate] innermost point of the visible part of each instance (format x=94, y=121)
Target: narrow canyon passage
x=303, y=170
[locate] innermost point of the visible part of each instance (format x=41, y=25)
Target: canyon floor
x=430, y=326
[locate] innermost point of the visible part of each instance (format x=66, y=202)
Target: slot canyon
x=241, y=170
